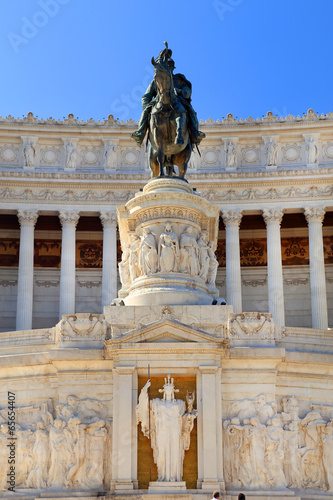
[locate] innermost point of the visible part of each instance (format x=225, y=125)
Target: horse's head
x=163, y=79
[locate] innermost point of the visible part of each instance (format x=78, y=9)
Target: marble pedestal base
x=158, y=487
x=168, y=289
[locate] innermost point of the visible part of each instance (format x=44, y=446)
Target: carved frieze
x=85, y=326
x=265, y=449
x=251, y=325
x=59, y=448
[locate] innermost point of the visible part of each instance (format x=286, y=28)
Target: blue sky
x=92, y=57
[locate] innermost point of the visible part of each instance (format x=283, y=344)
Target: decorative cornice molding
x=70, y=121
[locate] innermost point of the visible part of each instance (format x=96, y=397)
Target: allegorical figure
x=168, y=250
x=312, y=151
x=230, y=155
x=148, y=253
x=169, y=429
x=271, y=154
x=29, y=154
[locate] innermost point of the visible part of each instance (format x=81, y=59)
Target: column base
x=123, y=484
x=212, y=485
x=166, y=487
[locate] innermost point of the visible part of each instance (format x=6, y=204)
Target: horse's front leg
x=160, y=159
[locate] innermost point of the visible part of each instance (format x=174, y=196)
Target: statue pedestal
x=158, y=487
x=168, y=236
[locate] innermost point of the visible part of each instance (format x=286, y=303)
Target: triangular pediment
x=167, y=331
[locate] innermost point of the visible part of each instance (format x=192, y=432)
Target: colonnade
x=273, y=219
x=232, y=220
x=69, y=220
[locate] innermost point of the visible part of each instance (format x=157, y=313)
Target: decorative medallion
x=49, y=155
x=210, y=156
x=291, y=152
x=130, y=156
x=250, y=154
x=90, y=156
x=328, y=150
x=8, y=153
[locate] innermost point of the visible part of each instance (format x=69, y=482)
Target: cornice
x=30, y=121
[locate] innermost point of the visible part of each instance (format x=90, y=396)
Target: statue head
x=168, y=389
x=164, y=58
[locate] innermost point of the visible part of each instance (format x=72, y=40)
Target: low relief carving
x=265, y=449
x=29, y=154
x=110, y=156
x=271, y=153
x=150, y=254
x=83, y=325
x=70, y=155
x=147, y=253
x=311, y=148
x=230, y=155
x=251, y=324
x=67, y=451
x=169, y=253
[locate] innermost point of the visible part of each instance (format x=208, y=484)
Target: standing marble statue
x=230, y=155
x=312, y=151
x=147, y=253
x=70, y=155
x=271, y=154
x=168, y=250
x=124, y=265
x=29, y=155
x=213, y=265
x=169, y=429
x=134, y=257
x=189, y=253
x=204, y=257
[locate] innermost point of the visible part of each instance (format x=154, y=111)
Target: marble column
x=69, y=220
x=27, y=220
x=314, y=218
x=273, y=218
x=210, y=461
x=232, y=221
x=124, y=431
x=109, y=272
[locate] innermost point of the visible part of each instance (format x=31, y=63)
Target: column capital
x=69, y=217
x=27, y=217
x=272, y=215
x=314, y=214
x=232, y=217
x=108, y=219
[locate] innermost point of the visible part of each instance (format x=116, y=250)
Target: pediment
x=166, y=331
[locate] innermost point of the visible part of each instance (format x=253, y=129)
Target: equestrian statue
x=169, y=119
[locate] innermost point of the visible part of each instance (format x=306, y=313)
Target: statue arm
x=142, y=410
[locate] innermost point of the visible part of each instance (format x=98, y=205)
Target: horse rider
x=181, y=103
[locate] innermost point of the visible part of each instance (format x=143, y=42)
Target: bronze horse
x=168, y=130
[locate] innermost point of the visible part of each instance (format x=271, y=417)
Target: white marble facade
x=262, y=364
